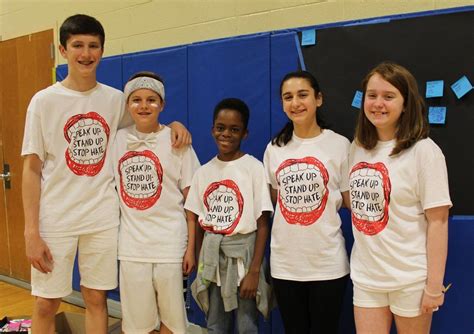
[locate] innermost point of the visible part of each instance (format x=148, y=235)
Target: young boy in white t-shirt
x=68, y=192
x=230, y=200
x=156, y=244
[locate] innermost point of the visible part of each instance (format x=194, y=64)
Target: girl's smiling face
x=383, y=106
x=300, y=101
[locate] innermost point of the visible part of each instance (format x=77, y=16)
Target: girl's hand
x=431, y=302
x=189, y=262
x=249, y=284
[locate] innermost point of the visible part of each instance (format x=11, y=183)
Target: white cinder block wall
x=137, y=25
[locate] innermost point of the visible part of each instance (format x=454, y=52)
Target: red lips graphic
x=224, y=205
x=87, y=135
x=141, y=177
x=303, y=191
x=370, y=197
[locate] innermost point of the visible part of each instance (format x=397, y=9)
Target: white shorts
x=97, y=264
x=151, y=293
x=404, y=302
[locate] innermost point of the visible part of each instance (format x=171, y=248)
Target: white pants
x=97, y=264
x=151, y=293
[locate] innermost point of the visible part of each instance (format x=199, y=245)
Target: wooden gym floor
x=16, y=301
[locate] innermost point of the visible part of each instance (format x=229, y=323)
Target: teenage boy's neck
x=230, y=156
x=79, y=84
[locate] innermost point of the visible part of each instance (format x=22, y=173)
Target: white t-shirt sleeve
x=344, y=184
x=262, y=200
x=125, y=117
x=433, y=187
x=189, y=166
x=115, y=157
x=193, y=201
x=269, y=175
x=33, y=142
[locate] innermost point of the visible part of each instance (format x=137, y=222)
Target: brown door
x=26, y=65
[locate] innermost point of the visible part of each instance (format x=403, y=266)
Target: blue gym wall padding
x=284, y=59
x=457, y=313
x=251, y=67
x=110, y=72
x=236, y=67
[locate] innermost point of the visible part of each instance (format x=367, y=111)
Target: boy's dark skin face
x=228, y=131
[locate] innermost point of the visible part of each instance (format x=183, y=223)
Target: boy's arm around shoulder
x=37, y=251
x=249, y=284
x=180, y=136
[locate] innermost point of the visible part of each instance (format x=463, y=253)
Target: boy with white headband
x=69, y=198
x=156, y=245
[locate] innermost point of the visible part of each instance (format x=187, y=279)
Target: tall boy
x=68, y=190
x=230, y=199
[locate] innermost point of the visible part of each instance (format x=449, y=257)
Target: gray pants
x=221, y=322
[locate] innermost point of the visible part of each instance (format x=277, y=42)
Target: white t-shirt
x=150, y=181
x=388, y=198
x=309, y=174
x=229, y=196
x=71, y=132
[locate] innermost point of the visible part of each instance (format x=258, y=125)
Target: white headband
x=144, y=83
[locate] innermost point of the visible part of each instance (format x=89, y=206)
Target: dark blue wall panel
x=284, y=59
x=109, y=72
x=237, y=67
x=171, y=65
x=61, y=72
x=456, y=315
